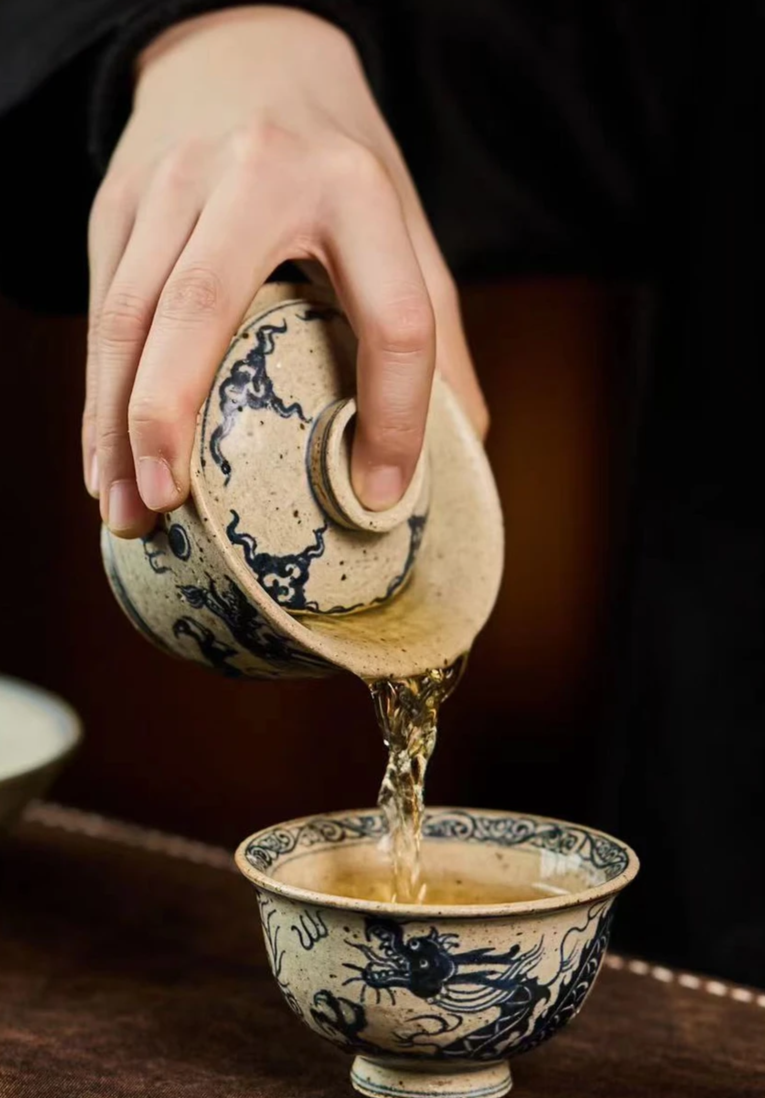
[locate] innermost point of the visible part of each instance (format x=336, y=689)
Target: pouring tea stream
x=274, y=568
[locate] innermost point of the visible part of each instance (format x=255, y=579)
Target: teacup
x=436, y=1000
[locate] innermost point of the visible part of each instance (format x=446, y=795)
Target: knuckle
x=179, y=167
x=151, y=412
x=160, y=420
x=258, y=141
x=112, y=443
x=191, y=296
x=124, y=319
x=406, y=326
x=354, y=164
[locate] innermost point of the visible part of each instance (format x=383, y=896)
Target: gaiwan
x=273, y=567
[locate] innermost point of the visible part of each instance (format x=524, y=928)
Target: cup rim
x=424, y=912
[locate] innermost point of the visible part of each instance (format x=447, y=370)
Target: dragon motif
x=458, y=984
x=245, y=624
x=214, y=651
x=432, y=968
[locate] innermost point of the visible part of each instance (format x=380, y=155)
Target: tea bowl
x=435, y=1000
x=37, y=732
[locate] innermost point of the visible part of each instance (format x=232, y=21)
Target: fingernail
x=93, y=478
x=158, y=489
x=125, y=507
x=382, y=487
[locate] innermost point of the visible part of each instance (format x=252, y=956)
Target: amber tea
x=407, y=712
x=376, y=883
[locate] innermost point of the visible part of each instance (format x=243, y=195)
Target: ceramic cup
x=435, y=1001
x=38, y=732
x=273, y=568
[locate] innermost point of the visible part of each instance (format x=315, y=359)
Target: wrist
x=337, y=36
x=228, y=28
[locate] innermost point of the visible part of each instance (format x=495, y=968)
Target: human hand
x=255, y=139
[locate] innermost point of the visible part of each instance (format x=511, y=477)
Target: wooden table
x=131, y=965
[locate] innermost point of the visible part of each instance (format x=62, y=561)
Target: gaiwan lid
x=380, y=593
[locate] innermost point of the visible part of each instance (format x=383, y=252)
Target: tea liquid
x=407, y=712
x=376, y=883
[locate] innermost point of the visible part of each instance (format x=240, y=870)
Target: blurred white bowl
x=37, y=732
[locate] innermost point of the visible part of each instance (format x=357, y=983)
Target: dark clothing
x=607, y=138
x=538, y=142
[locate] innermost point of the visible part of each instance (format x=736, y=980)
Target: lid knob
x=330, y=473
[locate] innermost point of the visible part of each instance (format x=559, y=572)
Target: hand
x=255, y=139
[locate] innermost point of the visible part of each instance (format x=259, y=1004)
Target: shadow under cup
x=435, y=999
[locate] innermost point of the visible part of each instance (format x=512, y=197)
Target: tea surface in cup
x=376, y=882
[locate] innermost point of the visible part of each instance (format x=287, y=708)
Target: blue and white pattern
x=269, y=916
x=268, y=394
x=599, y=852
x=283, y=577
x=459, y=984
x=215, y=652
x=440, y=988
x=178, y=541
x=244, y=624
x=278, y=842
x=249, y=386
x=154, y=548
x=123, y=597
x=212, y=622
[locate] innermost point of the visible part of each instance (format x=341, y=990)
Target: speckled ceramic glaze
x=435, y=1001
x=273, y=567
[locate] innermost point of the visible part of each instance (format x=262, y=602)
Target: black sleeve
x=542, y=139
x=41, y=38
x=113, y=90
x=66, y=84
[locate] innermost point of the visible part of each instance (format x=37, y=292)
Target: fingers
x=170, y=286
x=111, y=222
x=453, y=357
x=162, y=227
x=378, y=277
x=238, y=240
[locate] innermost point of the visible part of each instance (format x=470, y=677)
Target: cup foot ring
x=379, y=1079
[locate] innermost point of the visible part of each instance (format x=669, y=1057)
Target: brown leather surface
x=127, y=973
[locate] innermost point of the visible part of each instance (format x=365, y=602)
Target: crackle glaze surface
x=430, y=991
x=252, y=576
